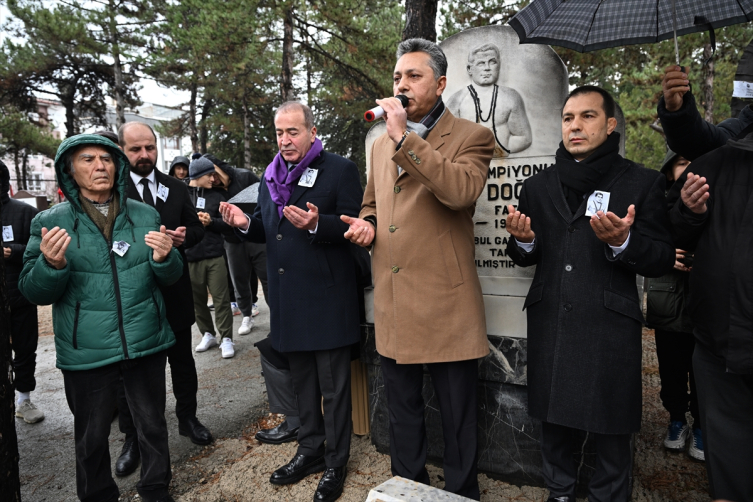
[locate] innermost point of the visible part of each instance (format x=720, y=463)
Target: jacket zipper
x=117, y=291
x=75, y=326
x=117, y=297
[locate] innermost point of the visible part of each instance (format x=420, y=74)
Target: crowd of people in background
x=134, y=258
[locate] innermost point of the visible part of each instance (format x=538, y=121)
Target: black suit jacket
x=584, y=313
x=313, y=296
x=176, y=211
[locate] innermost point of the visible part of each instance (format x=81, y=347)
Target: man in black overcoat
x=169, y=196
x=584, y=313
x=713, y=216
x=313, y=298
x=16, y=223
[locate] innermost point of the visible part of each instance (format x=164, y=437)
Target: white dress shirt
x=152, y=184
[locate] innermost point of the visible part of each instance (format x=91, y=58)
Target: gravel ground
x=237, y=468
x=243, y=467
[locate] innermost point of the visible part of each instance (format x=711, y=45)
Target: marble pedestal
x=508, y=438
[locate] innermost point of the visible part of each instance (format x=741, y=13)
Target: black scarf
x=580, y=178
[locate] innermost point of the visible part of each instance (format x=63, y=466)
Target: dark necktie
x=147, y=194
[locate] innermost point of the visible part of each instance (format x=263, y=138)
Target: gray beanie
x=200, y=167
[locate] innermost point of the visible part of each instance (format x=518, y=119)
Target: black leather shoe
x=331, y=485
x=197, y=433
x=297, y=469
x=129, y=457
x=278, y=435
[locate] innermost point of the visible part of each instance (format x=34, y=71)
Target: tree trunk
x=70, y=117
x=18, y=168
x=708, y=84
x=203, y=132
x=10, y=483
x=194, y=133
x=286, y=85
x=25, y=169
x=420, y=19
x=119, y=98
x=246, y=136
x=117, y=67
x=67, y=98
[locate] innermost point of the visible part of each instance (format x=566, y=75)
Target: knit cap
x=200, y=167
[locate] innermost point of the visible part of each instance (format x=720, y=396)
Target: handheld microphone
x=378, y=111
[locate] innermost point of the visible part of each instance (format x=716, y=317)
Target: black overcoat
x=584, y=314
x=313, y=297
x=177, y=210
x=721, y=293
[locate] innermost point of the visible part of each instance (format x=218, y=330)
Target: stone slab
x=400, y=489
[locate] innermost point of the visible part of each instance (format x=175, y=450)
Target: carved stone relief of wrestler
x=497, y=107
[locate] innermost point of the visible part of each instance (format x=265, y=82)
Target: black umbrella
x=589, y=25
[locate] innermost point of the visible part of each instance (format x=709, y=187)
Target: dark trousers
x=675, y=354
x=317, y=374
x=185, y=383
x=244, y=258
x=455, y=387
x=726, y=404
x=614, y=463
x=24, y=332
x=91, y=396
x=280, y=391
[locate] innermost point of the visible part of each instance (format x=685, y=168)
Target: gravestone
x=518, y=92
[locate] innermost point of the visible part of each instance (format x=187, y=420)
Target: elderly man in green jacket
x=99, y=258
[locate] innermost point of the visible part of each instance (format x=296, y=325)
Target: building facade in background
x=41, y=171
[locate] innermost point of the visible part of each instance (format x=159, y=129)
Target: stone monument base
x=508, y=439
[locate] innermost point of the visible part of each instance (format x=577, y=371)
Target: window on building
x=35, y=182
x=172, y=143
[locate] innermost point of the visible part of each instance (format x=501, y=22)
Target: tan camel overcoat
x=428, y=306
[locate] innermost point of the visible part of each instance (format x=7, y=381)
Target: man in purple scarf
x=312, y=288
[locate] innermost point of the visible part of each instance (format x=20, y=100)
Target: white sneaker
x=234, y=308
x=254, y=310
x=677, y=436
x=227, y=348
x=207, y=342
x=29, y=412
x=246, y=326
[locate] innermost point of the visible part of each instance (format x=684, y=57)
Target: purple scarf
x=281, y=182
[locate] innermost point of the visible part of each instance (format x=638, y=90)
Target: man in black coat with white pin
x=713, y=216
x=169, y=196
x=313, y=297
x=584, y=314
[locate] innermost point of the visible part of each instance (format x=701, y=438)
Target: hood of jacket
x=65, y=180
x=4, y=182
x=668, y=162
x=178, y=160
x=745, y=143
x=224, y=166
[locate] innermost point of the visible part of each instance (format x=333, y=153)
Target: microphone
x=378, y=111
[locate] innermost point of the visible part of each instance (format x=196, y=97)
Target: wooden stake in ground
x=10, y=484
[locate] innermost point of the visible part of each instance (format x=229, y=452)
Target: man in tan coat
x=426, y=173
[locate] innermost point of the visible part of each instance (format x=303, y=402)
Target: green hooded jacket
x=105, y=307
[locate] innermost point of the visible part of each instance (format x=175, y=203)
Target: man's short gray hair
x=290, y=106
x=483, y=48
x=437, y=59
x=122, y=128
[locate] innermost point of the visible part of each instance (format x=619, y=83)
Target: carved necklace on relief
x=492, y=109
